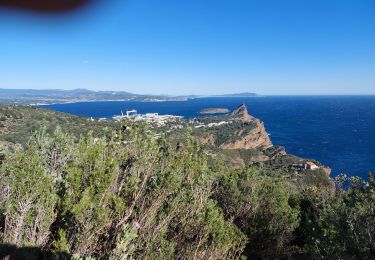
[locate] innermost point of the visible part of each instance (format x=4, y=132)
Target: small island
x=211, y=111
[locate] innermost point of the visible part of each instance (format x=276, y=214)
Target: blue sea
x=338, y=131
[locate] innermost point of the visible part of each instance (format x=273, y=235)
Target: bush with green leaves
x=260, y=206
x=129, y=193
x=29, y=198
x=133, y=193
x=341, y=224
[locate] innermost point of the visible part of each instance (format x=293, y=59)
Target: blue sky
x=195, y=47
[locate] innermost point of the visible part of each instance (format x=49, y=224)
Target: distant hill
x=244, y=94
x=48, y=96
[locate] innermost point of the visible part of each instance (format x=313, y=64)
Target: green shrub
x=259, y=205
x=126, y=193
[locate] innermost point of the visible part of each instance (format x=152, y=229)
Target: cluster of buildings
x=305, y=166
x=148, y=117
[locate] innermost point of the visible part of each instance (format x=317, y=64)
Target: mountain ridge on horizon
x=49, y=96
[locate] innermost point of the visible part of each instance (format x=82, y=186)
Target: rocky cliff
x=255, y=137
x=238, y=135
x=244, y=140
x=242, y=113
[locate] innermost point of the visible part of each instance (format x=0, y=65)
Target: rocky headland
x=236, y=130
x=241, y=139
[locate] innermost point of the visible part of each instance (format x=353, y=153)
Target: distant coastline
x=310, y=122
x=43, y=97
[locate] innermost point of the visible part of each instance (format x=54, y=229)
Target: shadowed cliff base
x=47, y=6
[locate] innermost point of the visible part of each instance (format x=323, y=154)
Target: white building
x=310, y=166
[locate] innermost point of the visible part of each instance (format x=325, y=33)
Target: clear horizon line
x=200, y=95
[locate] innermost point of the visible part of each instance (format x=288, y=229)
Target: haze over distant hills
x=49, y=96
x=244, y=94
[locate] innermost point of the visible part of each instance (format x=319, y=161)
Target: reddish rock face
x=327, y=170
x=256, y=138
x=242, y=112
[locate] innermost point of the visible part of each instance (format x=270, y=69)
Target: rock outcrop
x=326, y=170
x=257, y=137
x=242, y=141
x=242, y=113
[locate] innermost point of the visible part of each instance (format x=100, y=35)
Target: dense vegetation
x=131, y=193
x=17, y=123
x=230, y=133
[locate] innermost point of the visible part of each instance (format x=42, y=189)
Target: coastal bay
x=335, y=130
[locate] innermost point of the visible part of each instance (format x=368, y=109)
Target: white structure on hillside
x=149, y=117
x=130, y=113
x=310, y=166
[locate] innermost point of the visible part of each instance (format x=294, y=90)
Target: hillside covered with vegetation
x=97, y=190
x=18, y=123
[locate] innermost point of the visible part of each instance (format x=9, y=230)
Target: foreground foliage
x=134, y=194
x=126, y=194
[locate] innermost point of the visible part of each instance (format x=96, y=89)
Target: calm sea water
x=338, y=131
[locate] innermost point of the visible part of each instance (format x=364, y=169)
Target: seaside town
x=154, y=118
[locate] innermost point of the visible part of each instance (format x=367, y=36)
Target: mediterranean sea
x=338, y=131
